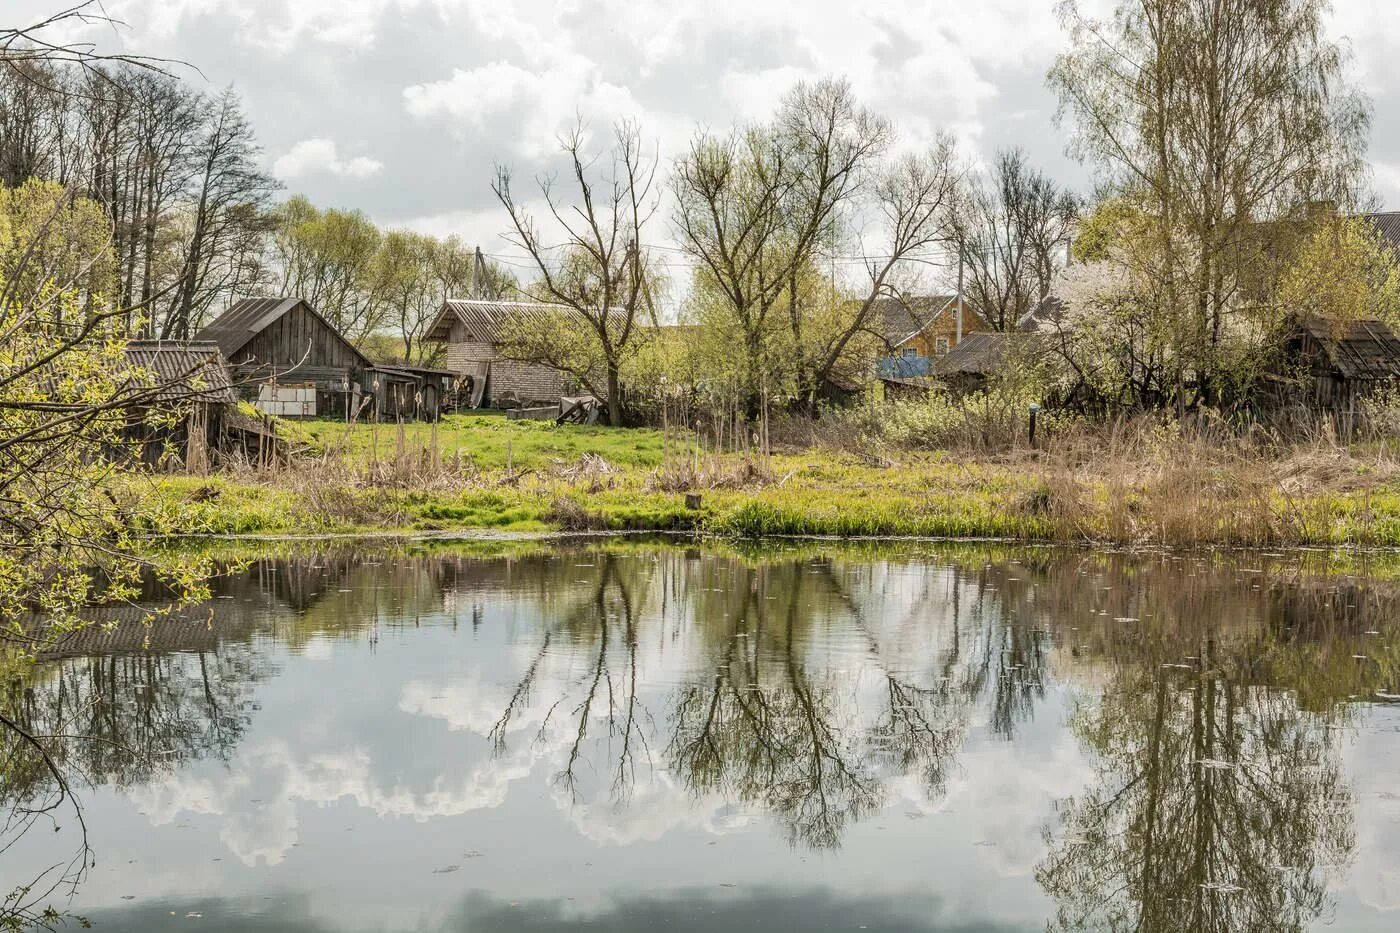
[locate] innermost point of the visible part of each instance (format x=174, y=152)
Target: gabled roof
x=1387, y=225
x=975, y=354
x=183, y=369
x=899, y=320
x=1360, y=349
x=244, y=320
x=982, y=354
x=486, y=319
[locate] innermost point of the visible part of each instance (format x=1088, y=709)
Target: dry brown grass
x=711, y=471
x=1142, y=482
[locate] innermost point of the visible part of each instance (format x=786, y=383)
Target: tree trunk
x=614, y=396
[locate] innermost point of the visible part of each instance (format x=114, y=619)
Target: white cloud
x=547, y=101
x=320, y=155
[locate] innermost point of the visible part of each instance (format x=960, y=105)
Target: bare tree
x=914, y=198
x=604, y=284
x=753, y=208
x=1012, y=233
x=219, y=253
x=36, y=44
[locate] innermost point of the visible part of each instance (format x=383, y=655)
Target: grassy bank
x=474, y=472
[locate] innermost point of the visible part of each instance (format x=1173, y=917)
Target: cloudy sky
x=401, y=107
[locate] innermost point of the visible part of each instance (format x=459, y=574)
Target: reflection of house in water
x=128, y=629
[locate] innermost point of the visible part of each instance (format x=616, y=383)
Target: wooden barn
x=291, y=362
x=1340, y=363
x=289, y=359
x=476, y=333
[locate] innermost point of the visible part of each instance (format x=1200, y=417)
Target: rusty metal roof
x=1360, y=349
x=183, y=369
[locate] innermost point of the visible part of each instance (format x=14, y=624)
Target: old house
x=184, y=418
x=1386, y=224
x=1340, y=363
x=477, y=332
x=917, y=330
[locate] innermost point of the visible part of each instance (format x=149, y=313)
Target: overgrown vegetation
x=913, y=468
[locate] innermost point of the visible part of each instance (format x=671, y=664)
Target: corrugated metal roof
x=975, y=354
x=244, y=320
x=1387, y=224
x=1361, y=349
x=486, y=320
x=984, y=353
x=183, y=368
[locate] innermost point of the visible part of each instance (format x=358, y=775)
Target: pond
x=636, y=736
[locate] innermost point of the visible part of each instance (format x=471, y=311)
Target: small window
x=910, y=353
x=940, y=345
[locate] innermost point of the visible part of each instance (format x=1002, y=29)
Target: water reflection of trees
x=805, y=685
x=1219, y=802
x=765, y=727
x=766, y=714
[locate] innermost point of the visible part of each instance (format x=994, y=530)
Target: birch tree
x=1211, y=118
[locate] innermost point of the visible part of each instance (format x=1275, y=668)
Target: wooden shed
x=403, y=392
x=290, y=360
x=1341, y=362
x=182, y=423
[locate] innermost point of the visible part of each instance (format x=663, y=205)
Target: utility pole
x=960, y=296
x=480, y=284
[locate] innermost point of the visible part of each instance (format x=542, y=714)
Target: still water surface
x=638, y=737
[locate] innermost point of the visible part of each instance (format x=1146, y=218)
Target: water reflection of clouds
x=440, y=722
x=258, y=798
x=1010, y=791
x=655, y=808
x=1373, y=758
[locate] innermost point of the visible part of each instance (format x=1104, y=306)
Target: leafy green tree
x=1213, y=122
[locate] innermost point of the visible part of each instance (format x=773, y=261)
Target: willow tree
x=760, y=209
x=1214, y=120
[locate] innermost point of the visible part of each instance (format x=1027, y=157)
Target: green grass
x=808, y=493
x=488, y=441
